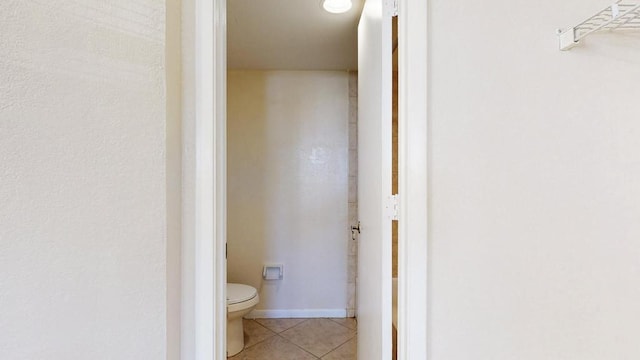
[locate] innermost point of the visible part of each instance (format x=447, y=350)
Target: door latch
x=354, y=229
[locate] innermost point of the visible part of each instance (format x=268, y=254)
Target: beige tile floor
x=299, y=339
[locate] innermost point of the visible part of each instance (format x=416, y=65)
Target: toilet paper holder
x=273, y=271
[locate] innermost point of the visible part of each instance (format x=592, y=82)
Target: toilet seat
x=240, y=296
x=237, y=293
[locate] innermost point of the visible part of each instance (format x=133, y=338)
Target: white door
x=374, y=181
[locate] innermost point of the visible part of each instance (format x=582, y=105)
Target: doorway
x=290, y=175
x=207, y=294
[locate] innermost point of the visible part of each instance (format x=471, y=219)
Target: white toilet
x=241, y=299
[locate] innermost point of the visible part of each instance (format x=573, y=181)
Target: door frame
x=207, y=298
x=209, y=325
x=412, y=179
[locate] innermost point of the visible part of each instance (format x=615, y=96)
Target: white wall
x=173, y=137
x=188, y=323
x=287, y=187
x=84, y=174
x=534, y=185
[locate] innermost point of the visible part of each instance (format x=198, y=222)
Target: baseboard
x=296, y=313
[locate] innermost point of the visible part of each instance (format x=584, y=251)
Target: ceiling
x=291, y=35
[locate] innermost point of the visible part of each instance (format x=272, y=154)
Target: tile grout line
x=279, y=334
x=298, y=346
x=307, y=351
x=355, y=334
x=332, y=319
x=336, y=348
x=259, y=342
x=275, y=333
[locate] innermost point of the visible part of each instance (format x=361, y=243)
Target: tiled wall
x=353, y=192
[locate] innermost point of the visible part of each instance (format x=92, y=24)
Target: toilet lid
x=237, y=293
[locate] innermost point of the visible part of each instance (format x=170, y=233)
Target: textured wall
x=173, y=154
x=82, y=194
x=287, y=186
x=187, y=316
x=534, y=185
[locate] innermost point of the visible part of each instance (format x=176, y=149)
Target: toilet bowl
x=241, y=299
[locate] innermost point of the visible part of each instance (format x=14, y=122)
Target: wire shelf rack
x=618, y=16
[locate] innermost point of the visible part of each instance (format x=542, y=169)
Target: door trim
x=412, y=179
x=210, y=309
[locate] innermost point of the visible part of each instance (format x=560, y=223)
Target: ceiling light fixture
x=337, y=6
